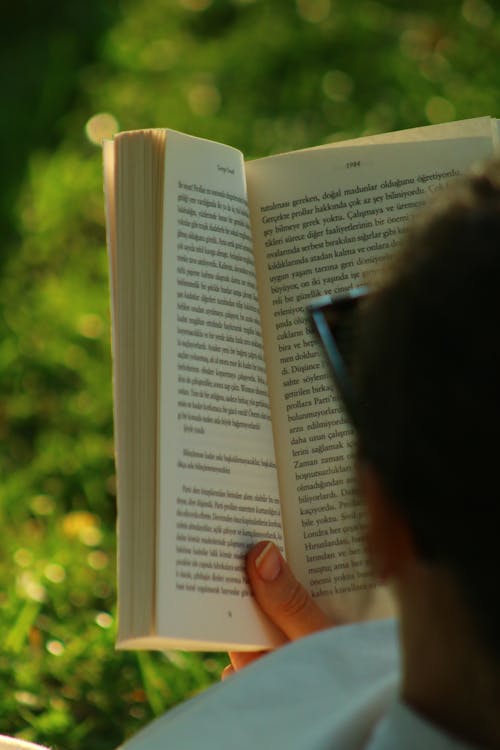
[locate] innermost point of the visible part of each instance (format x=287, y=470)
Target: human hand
x=284, y=600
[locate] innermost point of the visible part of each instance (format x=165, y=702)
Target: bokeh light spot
x=56, y=648
x=30, y=588
x=104, y=620
x=91, y=536
x=27, y=699
x=204, y=98
x=42, y=505
x=439, y=109
x=54, y=573
x=100, y=127
x=98, y=560
x=478, y=13
x=195, y=5
x=78, y=523
x=23, y=557
x=416, y=43
x=337, y=85
x=314, y=11
x=91, y=326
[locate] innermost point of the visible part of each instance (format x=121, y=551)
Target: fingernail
x=268, y=563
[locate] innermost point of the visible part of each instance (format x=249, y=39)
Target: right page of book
x=323, y=221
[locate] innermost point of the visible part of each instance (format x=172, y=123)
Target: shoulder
x=404, y=727
x=334, y=684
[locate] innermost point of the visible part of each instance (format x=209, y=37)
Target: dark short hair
x=427, y=374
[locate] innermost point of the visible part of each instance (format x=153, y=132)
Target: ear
x=388, y=537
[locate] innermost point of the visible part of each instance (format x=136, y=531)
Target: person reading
x=425, y=377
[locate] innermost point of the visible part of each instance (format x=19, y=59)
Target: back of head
x=428, y=380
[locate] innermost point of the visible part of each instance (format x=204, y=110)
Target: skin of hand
x=283, y=599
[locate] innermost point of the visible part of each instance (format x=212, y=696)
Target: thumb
x=285, y=601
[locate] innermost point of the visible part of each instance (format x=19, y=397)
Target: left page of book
x=218, y=485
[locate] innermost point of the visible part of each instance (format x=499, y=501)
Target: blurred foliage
x=262, y=75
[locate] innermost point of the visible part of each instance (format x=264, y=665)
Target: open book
x=228, y=430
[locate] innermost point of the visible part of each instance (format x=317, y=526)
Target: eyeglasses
x=334, y=321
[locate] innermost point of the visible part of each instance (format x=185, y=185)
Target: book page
x=132, y=198
x=323, y=221
x=476, y=127
x=218, y=481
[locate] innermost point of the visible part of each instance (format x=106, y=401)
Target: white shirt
x=335, y=690
x=325, y=691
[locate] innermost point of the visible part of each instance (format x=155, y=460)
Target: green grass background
x=262, y=75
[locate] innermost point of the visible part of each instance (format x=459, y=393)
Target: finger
x=280, y=595
x=240, y=659
x=227, y=672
